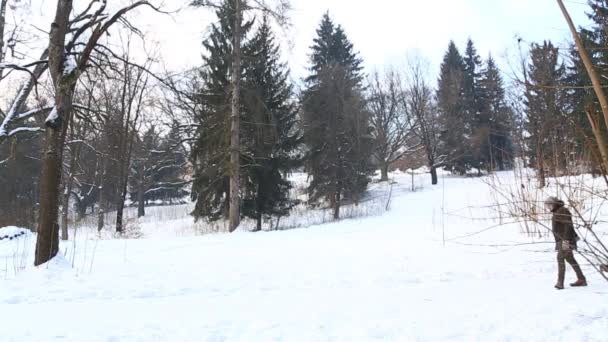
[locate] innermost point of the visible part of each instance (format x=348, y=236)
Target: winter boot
x=559, y=286
x=579, y=282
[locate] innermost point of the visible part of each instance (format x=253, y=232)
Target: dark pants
x=562, y=257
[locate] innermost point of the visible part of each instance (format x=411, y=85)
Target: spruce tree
x=472, y=86
x=550, y=132
x=269, y=135
x=452, y=104
x=336, y=121
x=581, y=97
x=210, y=154
x=497, y=148
x=476, y=120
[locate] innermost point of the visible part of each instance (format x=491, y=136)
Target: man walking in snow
x=565, y=242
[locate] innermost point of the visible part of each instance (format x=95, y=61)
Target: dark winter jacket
x=563, y=229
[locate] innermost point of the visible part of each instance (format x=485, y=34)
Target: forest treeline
x=91, y=129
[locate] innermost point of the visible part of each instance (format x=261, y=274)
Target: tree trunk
x=258, y=226
x=434, y=179
x=69, y=182
x=101, y=199
x=337, y=205
x=541, y=168
x=384, y=171
x=258, y=209
x=101, y=213
x=235, y=154
x=125, y=180
x=47, y=242
x=141, y=204
x=3, y=4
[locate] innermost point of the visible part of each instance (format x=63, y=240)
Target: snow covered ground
x=436, y=267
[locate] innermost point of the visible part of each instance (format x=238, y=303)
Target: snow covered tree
x=69, y=54
x=158, y=165
x=336, y=120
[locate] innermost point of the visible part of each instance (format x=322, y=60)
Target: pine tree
x=335, y=119
x=550, y=133
x=581, y=97
x=210, y=155
x=476, y=120
x=451, y=101
x=496, y=146
x=269, y=133
x=472, y=86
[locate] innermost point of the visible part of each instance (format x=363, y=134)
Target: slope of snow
x=436, y=267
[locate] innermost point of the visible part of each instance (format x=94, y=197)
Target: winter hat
x=552, y=203
x=551, y=200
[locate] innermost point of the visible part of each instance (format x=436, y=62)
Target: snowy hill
x=436, y=267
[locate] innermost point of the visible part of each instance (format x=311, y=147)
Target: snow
x=12, y=232
x=15, y=247
x=12, y=113
x=24, y=129
x=436, y=267
x=69, y=64
x=53, y=115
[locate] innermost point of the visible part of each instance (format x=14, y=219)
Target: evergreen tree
x=550, y=132
x=472, y=86
x=497, y=148
x=210, y=154
x=581, y=97
x=452, y=104
x=335, y=119
x=269, y=133
x=476, y=119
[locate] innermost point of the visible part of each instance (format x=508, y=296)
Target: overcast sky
x=385, y=32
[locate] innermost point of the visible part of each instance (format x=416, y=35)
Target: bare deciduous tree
x=392, y=129
x=69, y=56
x=418, y=98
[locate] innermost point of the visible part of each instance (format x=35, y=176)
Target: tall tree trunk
x=120, y=201
x=3, y=4
x=124, y=181
x=68, y=185
x=384, y=171
x=141, y=205
x=434, y=179
x=101, y=212
x=235, y=154
x=540, y=166
x=337, y=205
x=47, y=241
x=258, y=209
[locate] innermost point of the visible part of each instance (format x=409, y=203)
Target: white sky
x=383, y=31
